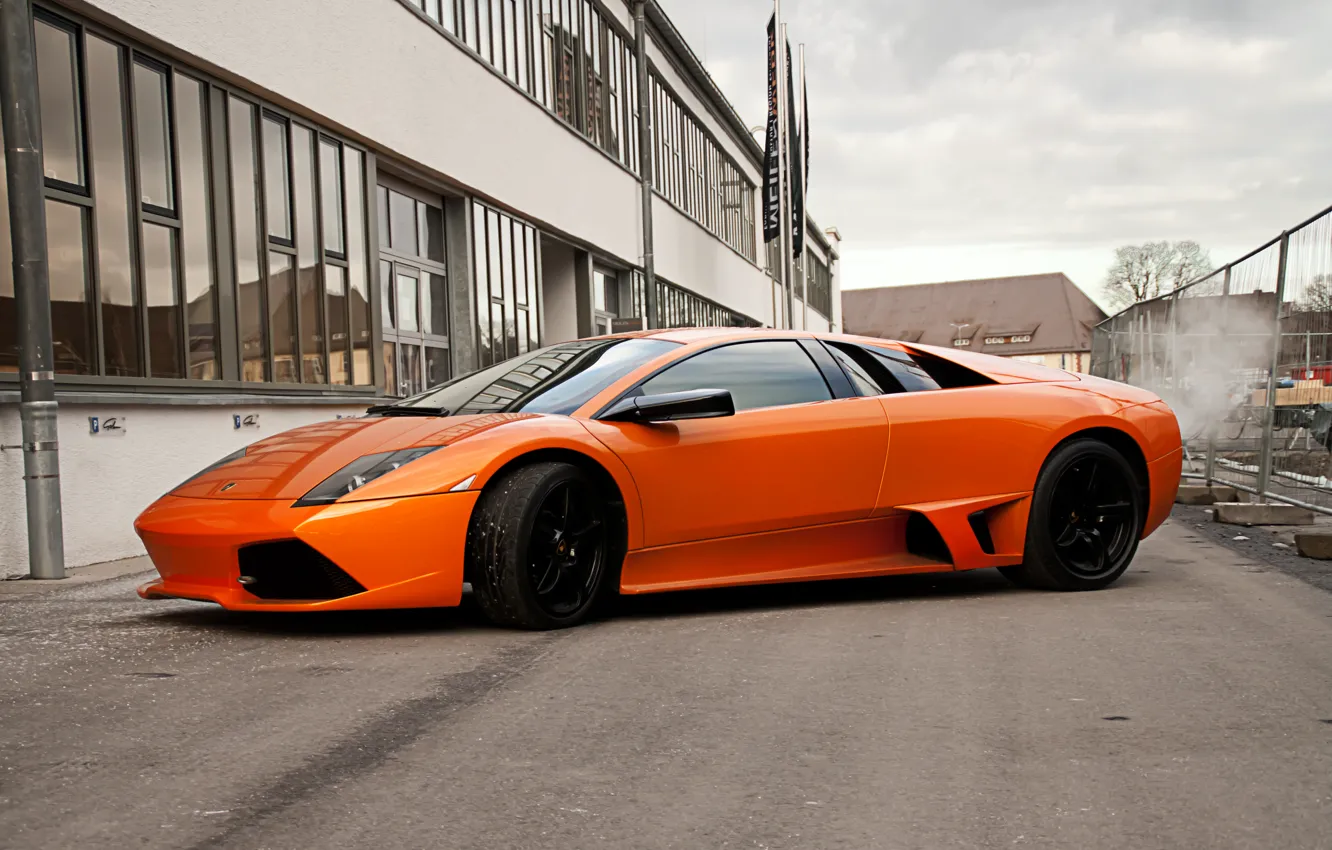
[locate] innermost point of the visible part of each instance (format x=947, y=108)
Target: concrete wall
x=107, y=479
x=559, y=304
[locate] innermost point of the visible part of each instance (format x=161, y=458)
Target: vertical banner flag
x=772, y=178
x=793, y=163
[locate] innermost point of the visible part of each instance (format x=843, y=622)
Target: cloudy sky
x=976, y=138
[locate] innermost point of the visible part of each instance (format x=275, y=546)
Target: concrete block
x=1252, y=513
x=1201, y=494
x=1315, y=544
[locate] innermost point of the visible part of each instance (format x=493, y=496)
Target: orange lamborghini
x=667, y=460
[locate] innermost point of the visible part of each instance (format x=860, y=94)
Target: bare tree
x=1317, y=296
x=1146, y=271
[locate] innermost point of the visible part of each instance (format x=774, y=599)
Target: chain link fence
x=1244, y=357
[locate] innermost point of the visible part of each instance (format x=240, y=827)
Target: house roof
x=1057, y=315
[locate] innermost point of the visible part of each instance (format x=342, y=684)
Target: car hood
x=288, y=465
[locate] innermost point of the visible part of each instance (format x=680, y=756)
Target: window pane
x=481, y=274
x=154, y=139
x=358, y=287
x=448, y=20
x=277, y=195
x=432, y=9
x=599, y=291
x=307, y=257
x=106, y=131
x=758, y=374
x=520, y=266
x=434, y=304
x=409, y=369
x=330, y=186
x=386, y=293
x=281, y=317
x=245, y=195
x=71, y=319
x=437, y=366
x=8, y=310
x=510, y=324
x=493, y=240
x=533, y=291
x=57, y=75
x=335, y=310
x=402, y=222
x=408, y=294
x=391, y=369
x=433, y=241
x=160, y=288
x=510, y=54
x=200, y=310
x=483, y=28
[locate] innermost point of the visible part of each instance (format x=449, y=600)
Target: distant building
x=1041, y=318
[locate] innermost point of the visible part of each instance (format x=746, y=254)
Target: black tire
x=1087, y=515
x=534, y=564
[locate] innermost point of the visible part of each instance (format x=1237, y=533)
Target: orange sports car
x=676, y=459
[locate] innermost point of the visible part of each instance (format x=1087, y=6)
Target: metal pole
x=32, y=292
x=783, y=166
x=1211, y=431
x=804, y=201
x=1269, y=403
x=644, y=163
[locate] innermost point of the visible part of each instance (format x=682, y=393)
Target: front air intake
x=292, y=570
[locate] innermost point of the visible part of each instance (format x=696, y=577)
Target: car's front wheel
x=1087, y=515
x=538, y=547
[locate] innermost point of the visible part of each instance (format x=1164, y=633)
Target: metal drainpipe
x=645, y=163
x=32, y=292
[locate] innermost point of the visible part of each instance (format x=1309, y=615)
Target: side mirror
x=671, y=407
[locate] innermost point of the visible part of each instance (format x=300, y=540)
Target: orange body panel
x=820, y=490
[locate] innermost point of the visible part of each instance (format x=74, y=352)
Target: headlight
x=359, y=473
x=236, y=455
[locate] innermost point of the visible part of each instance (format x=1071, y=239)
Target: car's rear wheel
x=538, y=547
x=1086, y=518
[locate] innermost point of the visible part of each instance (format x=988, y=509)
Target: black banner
x=797, y=189
x=772, y=181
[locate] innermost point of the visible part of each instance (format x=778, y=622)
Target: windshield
x=556, y=379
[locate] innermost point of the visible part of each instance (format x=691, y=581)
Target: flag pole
x=784, y=160
x=804, y=195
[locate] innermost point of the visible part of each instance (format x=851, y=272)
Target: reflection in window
x=402, y=223
x=434, y=304
x=407, y=302
x=330, y=176
x=758, y=374
x=505, y=265
x=106, y=132
x=307, y=257
x=335, y=311
x=277, y=196
x=160, y=285
x=386, y=294
x=57, y=83
x=245, y=196
x=71, y=317
x=436, y=366
x=153, y=137
x=391, y=369
x=358, y=287
x=200, y=310
x=8, y=317
x=281, y=317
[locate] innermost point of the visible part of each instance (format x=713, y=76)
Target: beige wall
x=1072, y=361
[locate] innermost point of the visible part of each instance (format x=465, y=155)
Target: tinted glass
x=358, y=287
x=758, y=374
x=330, y=183
x=390, y=357
x=154, y=139
x=281, y=316
x=386, y=293
x=432, y=231
x=307, y=256
x=437, y=366
x=71, y=318
x=8, y=320
x=860, y=378
x=277, y=196
x=905, y=370
x=106, y=131
x=382, y=205
x=160, y=287
x=409, y=368
x=245, y=194
x=408, y=294
x=57, y=75
x=402, y=223
x=335, y=313
x=434, y=304
x=200, y=311
x=557, y=379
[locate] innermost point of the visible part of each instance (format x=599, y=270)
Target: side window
x=881, y=371
x=758, y=374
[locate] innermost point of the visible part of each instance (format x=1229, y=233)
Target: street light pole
x=32, y=292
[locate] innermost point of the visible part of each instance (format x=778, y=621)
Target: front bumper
x=406, y=553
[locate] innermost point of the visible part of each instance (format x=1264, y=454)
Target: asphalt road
x=1188, y=707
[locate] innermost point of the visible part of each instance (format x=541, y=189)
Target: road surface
x=1188, y=707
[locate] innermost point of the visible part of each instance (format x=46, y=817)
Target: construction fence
x=1244, y=357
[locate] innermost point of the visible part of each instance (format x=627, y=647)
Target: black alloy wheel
x=1087, y=515
x=566, y=553
x=539, y=550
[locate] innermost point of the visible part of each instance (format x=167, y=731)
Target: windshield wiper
x=399, y=410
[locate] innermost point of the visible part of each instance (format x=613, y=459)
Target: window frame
x=220, y=203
